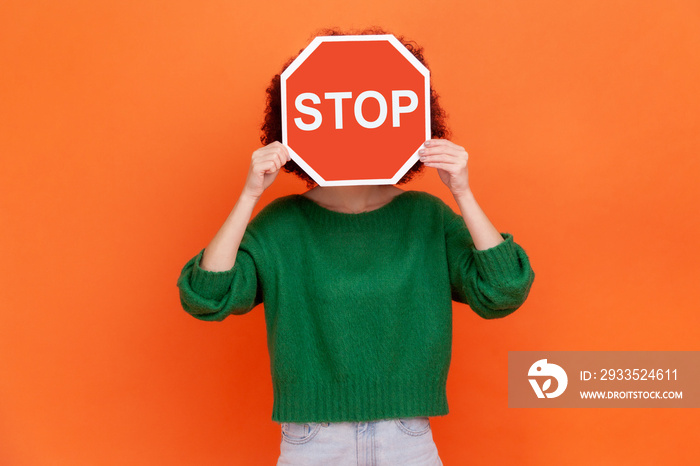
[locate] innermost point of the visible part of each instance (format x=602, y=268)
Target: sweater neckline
x=383, y=215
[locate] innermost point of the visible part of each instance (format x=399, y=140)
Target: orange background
x=126, y=133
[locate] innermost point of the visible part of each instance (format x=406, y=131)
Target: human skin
x=449, y=159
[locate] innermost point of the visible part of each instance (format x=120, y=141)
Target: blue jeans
x=386, y=442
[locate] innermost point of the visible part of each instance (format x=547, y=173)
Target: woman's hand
x=265, y=164
x=450, y=161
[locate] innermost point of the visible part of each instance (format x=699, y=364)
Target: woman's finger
x=441, y=150
x=278, y=153
x=441, y=158
x=270, y=158
x=441, y=142
x=280, y=150
x=448, y=151
x=284, y=153
x=444, y=144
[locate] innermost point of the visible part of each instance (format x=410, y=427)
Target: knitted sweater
x=358, y=307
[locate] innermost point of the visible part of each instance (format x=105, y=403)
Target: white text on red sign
x=338, y=97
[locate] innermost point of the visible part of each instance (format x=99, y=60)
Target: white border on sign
x=357, y=38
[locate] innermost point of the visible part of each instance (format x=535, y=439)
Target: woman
x=358, y=284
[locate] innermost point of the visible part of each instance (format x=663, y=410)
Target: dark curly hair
x=272, y=123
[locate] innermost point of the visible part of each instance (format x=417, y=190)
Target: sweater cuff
x=499, y=263
x=208, y=284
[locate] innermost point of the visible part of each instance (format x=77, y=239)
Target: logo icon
x=542, y=368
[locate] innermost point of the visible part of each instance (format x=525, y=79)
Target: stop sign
x=355, y=109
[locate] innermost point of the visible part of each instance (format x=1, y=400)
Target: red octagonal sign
x=355, y=109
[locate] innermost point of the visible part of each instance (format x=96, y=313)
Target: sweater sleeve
x=211, y=296
x=494, y=282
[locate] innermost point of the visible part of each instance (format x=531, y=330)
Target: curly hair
x=272, y=123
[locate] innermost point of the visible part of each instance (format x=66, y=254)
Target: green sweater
x=358, y=307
